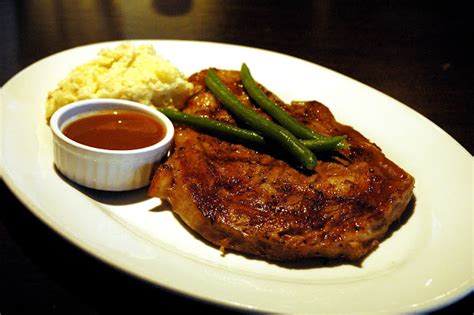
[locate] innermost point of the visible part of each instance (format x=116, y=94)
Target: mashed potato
x=128, y=72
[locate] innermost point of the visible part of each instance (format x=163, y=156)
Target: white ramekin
x=111, y=170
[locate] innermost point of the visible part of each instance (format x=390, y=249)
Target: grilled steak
x=253, y=201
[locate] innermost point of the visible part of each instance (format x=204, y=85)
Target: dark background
x=416, y=52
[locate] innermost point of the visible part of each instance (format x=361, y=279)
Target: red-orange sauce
x=116, y=130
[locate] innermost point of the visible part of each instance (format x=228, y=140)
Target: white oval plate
x=425, y=263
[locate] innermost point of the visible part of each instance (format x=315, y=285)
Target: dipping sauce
x=116, y=130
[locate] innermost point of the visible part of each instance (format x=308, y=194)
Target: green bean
x=207, y=124
x=244, y=135
x=326, y=144
x=275, y=111
x=266, y=127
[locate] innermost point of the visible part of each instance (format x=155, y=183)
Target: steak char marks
x=250, y=201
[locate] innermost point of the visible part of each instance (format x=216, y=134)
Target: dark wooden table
x=418, y=54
